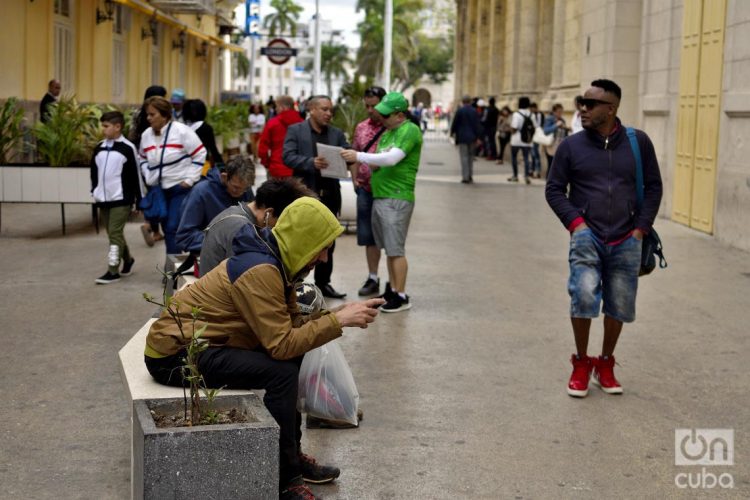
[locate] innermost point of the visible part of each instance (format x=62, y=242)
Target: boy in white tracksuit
x=116, y=187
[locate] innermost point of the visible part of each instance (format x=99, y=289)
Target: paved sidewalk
x=463, y=395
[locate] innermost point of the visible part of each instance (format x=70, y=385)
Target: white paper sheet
x=336, y=165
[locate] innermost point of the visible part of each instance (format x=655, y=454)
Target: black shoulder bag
x=651, y=247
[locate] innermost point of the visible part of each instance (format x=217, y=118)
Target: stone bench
x=140, y=387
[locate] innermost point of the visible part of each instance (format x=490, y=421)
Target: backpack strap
x=630, y=131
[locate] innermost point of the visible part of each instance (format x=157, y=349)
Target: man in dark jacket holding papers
x=301, y=155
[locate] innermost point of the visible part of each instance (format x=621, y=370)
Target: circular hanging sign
x=278, y=51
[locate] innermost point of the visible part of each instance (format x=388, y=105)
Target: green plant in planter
x=69, y=134
x=227, y=120
x=347, y=115
x=11, y=129
x=190, y=371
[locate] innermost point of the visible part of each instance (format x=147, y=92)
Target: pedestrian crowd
x=602, y=182
x=482, y=130
x=250, y=249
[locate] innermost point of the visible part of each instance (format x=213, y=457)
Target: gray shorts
x=390, y=223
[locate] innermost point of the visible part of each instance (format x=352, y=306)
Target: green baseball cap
x=392, y=102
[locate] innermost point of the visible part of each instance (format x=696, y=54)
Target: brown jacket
x=257, y=311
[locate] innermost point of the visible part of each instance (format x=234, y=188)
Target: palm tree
x=333, y=60
x=406, y=24
x=286, y=15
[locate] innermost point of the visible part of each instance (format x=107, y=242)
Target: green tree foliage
x=415, y=55
x=285, y=18
x=241, y=65
x=11, y=129
x=70, y=133
x=406, y=23
x=347, y=115
x=334, y=58
x=434, y=60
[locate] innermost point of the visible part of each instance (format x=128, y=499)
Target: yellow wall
x=27, y=57
x=13, y=79
x=37, y=65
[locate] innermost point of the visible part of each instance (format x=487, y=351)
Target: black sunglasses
x=378, y=92
x=592, y=103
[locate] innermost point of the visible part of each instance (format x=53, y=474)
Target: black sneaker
x=296, y=490
x=107, y=278
x=371, y=287
x=396, y=304
x=312, y=472
x=388, y=294
x=127, y=268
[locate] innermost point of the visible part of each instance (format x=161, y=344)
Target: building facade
x=683, y=66
x=110, y=51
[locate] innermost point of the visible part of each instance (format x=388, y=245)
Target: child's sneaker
x=603, y=375
x=107, y=278
x=578, y=385
x=127, y=268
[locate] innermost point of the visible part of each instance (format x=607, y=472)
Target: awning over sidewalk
x=169, y=20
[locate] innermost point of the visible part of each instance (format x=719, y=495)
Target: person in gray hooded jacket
x=272, y=197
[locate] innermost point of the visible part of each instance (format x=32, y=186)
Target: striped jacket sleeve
x=194, y=147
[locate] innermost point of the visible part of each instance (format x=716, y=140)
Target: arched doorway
x=423, y=96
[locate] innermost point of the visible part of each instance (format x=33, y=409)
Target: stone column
x=482, y=56
x=470, y=52
x=558, y=44
x=496, y=60
x=459, y=59
x=544, y=50
x=527, y=55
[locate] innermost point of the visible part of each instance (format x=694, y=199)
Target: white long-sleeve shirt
x=177, y=150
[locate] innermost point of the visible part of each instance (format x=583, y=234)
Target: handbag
x=651, y=246
x=541, y=138
x=154, y=204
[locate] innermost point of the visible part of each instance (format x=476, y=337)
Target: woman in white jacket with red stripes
x=170, y=154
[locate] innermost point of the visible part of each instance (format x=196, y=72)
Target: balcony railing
x=186, y=6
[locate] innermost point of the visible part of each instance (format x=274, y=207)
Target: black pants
x=503, y=144
x=330, y=197
x=243, y=369
x=489, y=139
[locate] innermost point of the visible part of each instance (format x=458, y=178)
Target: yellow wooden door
x=699, y=113
x=686, y=114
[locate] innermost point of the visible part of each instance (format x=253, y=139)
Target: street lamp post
x=387, y=43
x=316, y=70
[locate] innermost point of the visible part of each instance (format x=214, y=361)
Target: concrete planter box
x=44, y=184
x=206, y=461
x=33, y=183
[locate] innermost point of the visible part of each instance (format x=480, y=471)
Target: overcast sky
x=339, y=12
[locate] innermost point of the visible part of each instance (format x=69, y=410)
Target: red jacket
x=271, y=143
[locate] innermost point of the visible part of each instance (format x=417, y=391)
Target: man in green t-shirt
x=394, y=174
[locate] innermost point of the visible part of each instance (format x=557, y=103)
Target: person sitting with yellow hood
x=256, y=333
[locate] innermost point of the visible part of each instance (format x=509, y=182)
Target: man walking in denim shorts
x=592, y=190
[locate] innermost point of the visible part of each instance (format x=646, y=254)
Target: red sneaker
x=578, y=386
x=603, y=375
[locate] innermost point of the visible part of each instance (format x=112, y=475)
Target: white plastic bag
x=326, y=386
x=541, y=138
